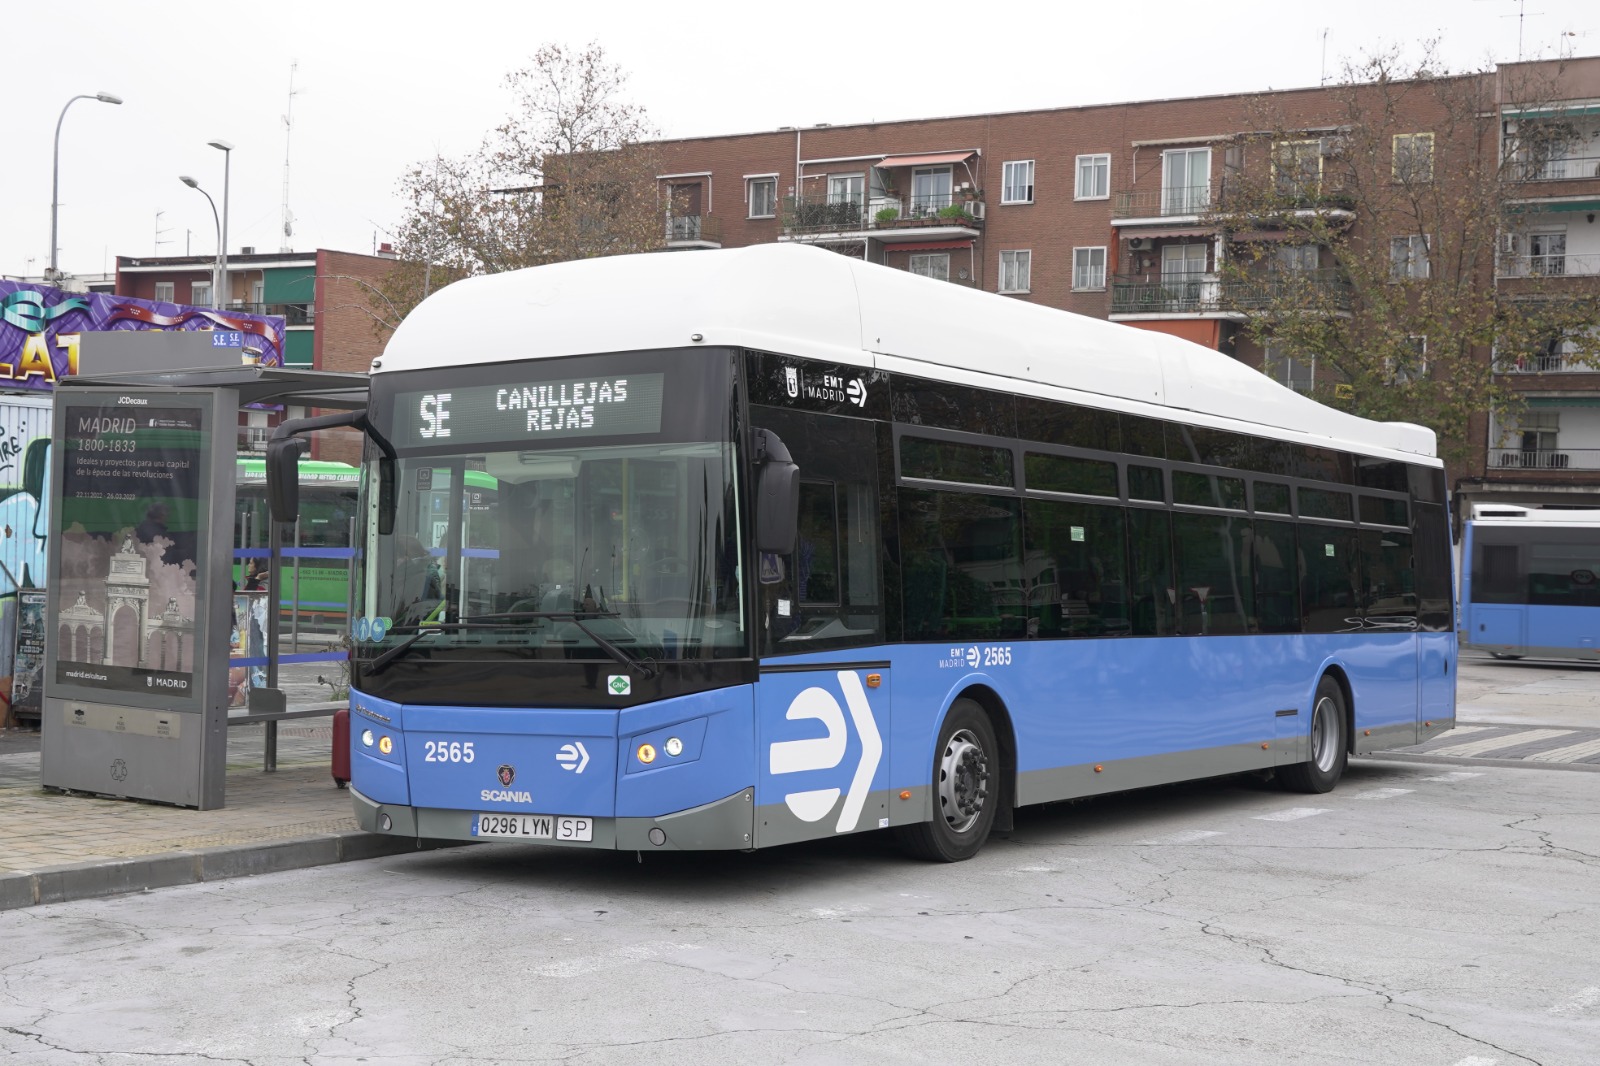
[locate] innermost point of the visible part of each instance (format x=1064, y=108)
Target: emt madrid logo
x=827, y=752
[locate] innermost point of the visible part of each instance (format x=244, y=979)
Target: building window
x=258, y=293
x=1297, y=258
x=200, y=294
x=762, y=195
x=1088, y=268
x=1285, y=369
x=166, y=292
x=1186, y=181
x=1413, y=365
x=1297, y=168
x=932, y=266
x=1094, y=177
x=1413, y=157
x=1016, y=182
x=846, y=188
x=1015, y=271
x=931, y=189
x=1408, y=257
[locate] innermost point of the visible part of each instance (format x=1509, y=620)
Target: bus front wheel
x=1330, y=743
x=966, y=788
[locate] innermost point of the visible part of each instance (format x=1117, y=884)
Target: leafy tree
x=568, y=175
x=1370, y=243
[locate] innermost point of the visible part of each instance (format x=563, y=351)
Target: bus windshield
x=584, y=546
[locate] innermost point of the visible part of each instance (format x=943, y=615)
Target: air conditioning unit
x=1141, y=244
x=975, y=208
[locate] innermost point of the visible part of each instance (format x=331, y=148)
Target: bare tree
x=1370, y=243
x=568, y=175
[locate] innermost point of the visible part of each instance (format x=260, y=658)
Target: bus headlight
x=366, y=737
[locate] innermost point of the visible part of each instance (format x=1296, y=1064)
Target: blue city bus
x=1531, y=582
x=786, y=545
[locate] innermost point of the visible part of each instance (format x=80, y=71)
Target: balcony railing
x=1548, y=266
x=818, y=215
x=1568, y=168
x=1172, y=200
x=1321, y=290
x=694, y=228
x=293, y=314
x=1544, y=459
x=1562, y=363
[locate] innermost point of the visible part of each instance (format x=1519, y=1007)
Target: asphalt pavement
x=56, y=846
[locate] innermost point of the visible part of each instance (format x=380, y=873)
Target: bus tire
x=965, y=785
x=1330, y=743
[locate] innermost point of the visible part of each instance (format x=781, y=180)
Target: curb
x=94, y=880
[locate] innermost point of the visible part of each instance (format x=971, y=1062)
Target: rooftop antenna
x=285, y=245
x=1324, y=78
x=1521, y=16
x=160, y=229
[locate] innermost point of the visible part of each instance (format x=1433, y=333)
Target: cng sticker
x=620, y=684
x=827, y=752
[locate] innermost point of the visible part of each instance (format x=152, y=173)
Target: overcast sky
x=381, y=84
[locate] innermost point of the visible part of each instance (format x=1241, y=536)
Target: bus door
x=822, y=724
x=1497, y=617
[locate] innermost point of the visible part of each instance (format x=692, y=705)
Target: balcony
x=1548, y=266
x=1175, y=201
x=909, y=219
x=1544, y=459
x=1565, y=168
x=1210, y=295
x=292, y=314
x=1551, y=363
x=694, y=231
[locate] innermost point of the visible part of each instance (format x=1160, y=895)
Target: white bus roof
x=1513, y=514
x=805, y=301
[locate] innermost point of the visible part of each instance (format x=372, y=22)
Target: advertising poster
x=129, y=521
x=39, y=328
x=27, y=682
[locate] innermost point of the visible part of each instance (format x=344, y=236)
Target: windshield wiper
x=380, y=662
x=618, y=655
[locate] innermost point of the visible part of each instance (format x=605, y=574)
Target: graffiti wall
x=24, y=514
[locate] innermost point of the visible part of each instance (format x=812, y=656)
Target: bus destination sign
x=596, y=406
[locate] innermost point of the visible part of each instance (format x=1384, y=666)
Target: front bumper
x=727, y=824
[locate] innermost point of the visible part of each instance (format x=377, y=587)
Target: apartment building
x=1141, y=213
x=323, y=296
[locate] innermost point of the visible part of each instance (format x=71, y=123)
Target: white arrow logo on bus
x=573, y=757
x=856, y=391
x=824, y=753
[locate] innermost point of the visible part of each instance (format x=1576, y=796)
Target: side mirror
x=283, y=478
x=777, y=495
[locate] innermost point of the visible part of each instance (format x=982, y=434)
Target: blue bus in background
x=782, y=545
x=1531, y=582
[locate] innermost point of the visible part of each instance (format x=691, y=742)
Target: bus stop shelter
x=140, y=588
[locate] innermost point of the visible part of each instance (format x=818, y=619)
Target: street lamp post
x=55, y=171
x=222, y=239
x=216, y=280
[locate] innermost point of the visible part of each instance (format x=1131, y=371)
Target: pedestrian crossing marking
x=1453, y=775
x=1510, y=740
x=1570, y=753
x=1382, y=793
x=1292, y=814
x=1188, y=836
x=1463, y=730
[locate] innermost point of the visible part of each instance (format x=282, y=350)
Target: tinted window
x=1388, y=582
x=928, y=403
x=816, y=557
x=961, y=563
x=1060, y=473
x=1145, y=483
x=1383, y=511
x=1564, y=569
x=1380, y=474
x=1211, y=554
x=1495, y=577
x=1151, y=592
x=1211, y=447
x=943, y=460
x=1077, y=427
x=1076, y=569
x=1316, y=503
x=1434, y=599
x=1272, y=497
x=1207, y=490
x=1328, y=577
x=1277, y=582
x=1143, y=436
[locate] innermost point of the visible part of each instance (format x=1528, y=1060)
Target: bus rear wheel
x=1330, y=743
x=966, y=788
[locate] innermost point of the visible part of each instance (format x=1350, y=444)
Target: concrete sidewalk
x=56, y=847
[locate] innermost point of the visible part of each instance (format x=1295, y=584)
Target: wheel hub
x=963, y=781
